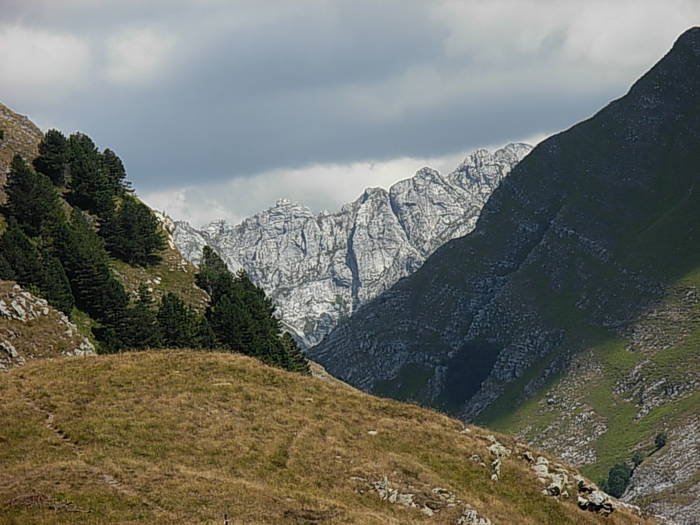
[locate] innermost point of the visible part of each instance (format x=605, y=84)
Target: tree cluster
x=62, y=249
x=618, y=478
x=96, y=183
x=242, y=317
x=62, y=252
x=170, y=324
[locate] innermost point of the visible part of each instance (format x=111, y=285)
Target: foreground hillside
x=184, y=437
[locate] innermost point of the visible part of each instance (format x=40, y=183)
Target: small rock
x=471, y=517
x=9, y=349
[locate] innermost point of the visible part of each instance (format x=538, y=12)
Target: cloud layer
x=254, y=97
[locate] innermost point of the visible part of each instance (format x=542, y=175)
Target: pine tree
x=6, y=271
x=242, y=316
x=178, y=323
x=31, y=198
x=231, y=323
x=90, y=187
x=140, y=328
x=86, y=264
x=213, y=277
x=56, y=286
x=114, y=171
x=132, y=233
x=22, y=257
x=53, y=157
x=295, y=359
x=205, y=336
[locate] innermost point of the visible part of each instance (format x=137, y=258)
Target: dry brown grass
x=182, y=437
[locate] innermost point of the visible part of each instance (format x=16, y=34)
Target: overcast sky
x=220, y=107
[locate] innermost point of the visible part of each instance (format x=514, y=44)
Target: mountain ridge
x=346, y=257
x=571, y=254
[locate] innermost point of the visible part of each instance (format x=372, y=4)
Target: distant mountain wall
x=321, y=268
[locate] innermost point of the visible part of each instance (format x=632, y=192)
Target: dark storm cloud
x=196, y=92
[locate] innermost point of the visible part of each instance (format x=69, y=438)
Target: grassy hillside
x=619, y=392
x=183, y=437
x=172, y=274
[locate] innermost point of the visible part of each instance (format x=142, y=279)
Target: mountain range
x=567, y=315
x=321, y=268
x=186, y=436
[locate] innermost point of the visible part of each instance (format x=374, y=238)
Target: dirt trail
x=108, y=479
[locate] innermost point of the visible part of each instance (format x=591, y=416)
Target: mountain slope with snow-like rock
x=320, y=268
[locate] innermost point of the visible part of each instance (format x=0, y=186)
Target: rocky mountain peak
x=690, y=40
x=320, y=268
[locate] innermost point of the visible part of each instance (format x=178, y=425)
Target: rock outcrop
x=321, y=268
x=31, y=328
x=667, y=481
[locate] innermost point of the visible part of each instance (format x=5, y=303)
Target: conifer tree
x=295, y=359
x=85, y=261
x=114, y=171
x=205, y=336
x=213, y=276
x=90, y=188
x=56, y=286
x=6, y=271
x=31, y=198
x=22, y=257
x=140, y=328
x=242, y=316
x=132, y=233
x=178, y=323
x=234, y=325
x=53, y=157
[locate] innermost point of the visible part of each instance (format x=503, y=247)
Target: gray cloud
x=202, y=92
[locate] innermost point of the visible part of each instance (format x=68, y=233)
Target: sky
x=220, y=107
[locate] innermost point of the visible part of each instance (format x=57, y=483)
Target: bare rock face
x=30, y=328
x=321, y=268
x=667, y=481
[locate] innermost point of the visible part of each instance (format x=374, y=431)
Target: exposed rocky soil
x=31, y=328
